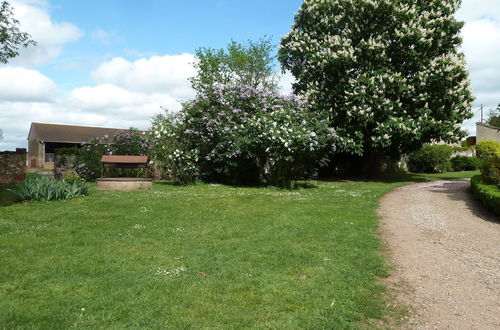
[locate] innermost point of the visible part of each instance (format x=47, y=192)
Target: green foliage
x=66, y=151
x=494, y=117
x=11, y=39
x=88, y=161
x=464, y=163
x=46, y=189
x=431, y=158
x=491, y=170
x=488, y=149
x=71, y=178
x=388, y=73
x=248, y=64
x=488, y=194
x=171, y=151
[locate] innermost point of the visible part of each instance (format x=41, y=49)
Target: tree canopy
x=387, y=72
x=11, y=38
x=494, y=117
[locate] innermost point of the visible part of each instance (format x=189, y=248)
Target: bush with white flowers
x=243, y=135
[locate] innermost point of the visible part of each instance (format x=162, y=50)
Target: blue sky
x=116, y=63
x=134, y=29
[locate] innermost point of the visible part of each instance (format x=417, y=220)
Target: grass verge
x=202, y=256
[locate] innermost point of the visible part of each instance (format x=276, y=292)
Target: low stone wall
x=12, y=166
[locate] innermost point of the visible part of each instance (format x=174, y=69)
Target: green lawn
x=202, y=256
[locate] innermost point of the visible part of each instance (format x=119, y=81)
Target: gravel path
x=446, y=251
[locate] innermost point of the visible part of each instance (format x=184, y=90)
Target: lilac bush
x=243, y=134
x=88, y=161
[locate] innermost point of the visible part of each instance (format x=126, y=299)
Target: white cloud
x=104, y=37
x=51, y=36
x=20, y=84
x=481, y=46
x=478, y=9
x=161, y=74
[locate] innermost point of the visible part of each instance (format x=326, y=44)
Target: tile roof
x=70, y=133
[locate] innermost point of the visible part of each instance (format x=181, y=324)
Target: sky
x=116, y=63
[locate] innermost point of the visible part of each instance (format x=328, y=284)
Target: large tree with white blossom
x=387, y=72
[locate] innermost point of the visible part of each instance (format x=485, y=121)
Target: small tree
x=11, y=39
x=387, y=72
x=494, y=117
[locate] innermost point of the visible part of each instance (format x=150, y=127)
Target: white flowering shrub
x=243, y=135
x=170, y=151
x=387, y=72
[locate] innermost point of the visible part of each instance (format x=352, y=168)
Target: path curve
x=446, y=251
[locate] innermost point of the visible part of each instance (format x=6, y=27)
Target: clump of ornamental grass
x=46, y=189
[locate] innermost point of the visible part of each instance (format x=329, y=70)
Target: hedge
x=487, y=149
x=487, y=194
x=464, y=163
x=431, y=158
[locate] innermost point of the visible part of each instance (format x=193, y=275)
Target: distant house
x=43, y=139
x=487, y=132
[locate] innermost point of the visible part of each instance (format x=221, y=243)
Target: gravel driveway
x=446, y=251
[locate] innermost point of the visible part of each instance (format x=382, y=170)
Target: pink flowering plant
x=88, y=161
x=131, y=142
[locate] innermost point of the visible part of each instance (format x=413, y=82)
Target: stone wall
x=12, y=166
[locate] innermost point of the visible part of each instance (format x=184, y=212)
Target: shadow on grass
x=7, y=197
x=405, y=177
x=296, y=185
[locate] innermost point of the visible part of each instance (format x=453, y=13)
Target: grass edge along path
x=202, y=256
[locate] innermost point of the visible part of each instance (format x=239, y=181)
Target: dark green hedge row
x=487, y=194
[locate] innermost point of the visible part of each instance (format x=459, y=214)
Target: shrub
x=131, y=142
x=88, y=161
x=45, y=189
x=491, y=171
x=431, y=158
x=487, y=149
x=487, y=194
x=71, y=178
x=464, y=163
x=242, y=135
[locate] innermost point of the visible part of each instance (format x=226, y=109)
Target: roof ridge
x=51, y=124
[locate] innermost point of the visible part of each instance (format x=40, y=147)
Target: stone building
x=487, y=132
x=43, y=139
